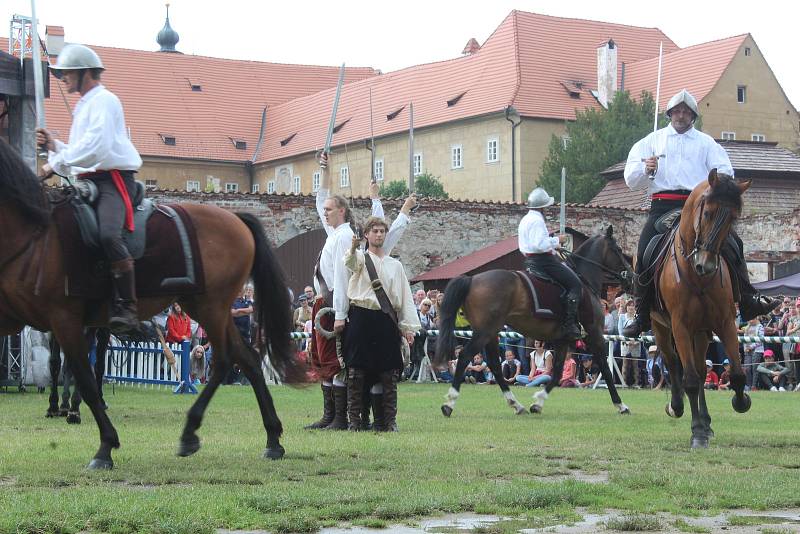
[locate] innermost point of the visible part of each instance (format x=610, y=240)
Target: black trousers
x=549, y=265
x=111, y=213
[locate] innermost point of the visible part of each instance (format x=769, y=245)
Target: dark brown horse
x=695, y=286
x=498, y=297
x=232, y=248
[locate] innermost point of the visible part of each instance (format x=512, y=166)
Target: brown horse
x=695, y=286
x=232, y=248
x=498, y=297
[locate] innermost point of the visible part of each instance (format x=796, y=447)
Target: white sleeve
x=341, y=277
x=407, y=319
x=354, y=262
x=539, y=240
x=718, y=159
x=377, y=208
x=635, y=175
x=395, y=232
x=95, y=143
x=322, y=196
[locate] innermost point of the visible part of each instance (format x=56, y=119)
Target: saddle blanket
x=546, y=299
x=163, y=270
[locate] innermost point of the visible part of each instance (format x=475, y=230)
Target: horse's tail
x=454, y=296
x=272, y=307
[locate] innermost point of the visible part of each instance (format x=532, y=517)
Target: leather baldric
x=377, y=286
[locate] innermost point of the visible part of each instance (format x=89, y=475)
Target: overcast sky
x=390, y=35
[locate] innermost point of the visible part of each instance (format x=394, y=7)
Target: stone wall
x=442, y=231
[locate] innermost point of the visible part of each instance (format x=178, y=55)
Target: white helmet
x=539, y=199
x=683, y=97
x=77, y=56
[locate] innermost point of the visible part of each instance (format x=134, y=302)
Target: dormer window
x=395, y=113
x=286, y=141
x=168, y=140
x=239, y=144
x=453, y=101
x=197, y=87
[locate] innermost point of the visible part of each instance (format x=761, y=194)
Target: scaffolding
x=12, y=362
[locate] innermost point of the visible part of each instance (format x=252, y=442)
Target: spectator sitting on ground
x=712, y=380
x=588, y=371
x=772, y=375
x=655, y=368
x=511, y=368
x=541, y=367
x=476, y=371
x=570, y=372
x=725, y=378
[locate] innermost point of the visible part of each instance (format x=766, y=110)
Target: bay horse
x=696, y=288
x=498, y=297
x=233, y=248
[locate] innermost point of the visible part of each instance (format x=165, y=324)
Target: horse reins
x=622, y=277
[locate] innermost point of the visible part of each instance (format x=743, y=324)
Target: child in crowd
x=725, y=377
x=476, y=372
x=541, y=367
x=772, y=375
x=511, y=368
x=588, y=371
x=570, y=373
x=712, y=380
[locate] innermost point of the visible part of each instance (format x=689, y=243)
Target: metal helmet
x=539, y=199
x=683, y=97
x=77, y=56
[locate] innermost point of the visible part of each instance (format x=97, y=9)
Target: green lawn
x=483, y=459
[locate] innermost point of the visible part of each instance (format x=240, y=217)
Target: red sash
x=119, y=183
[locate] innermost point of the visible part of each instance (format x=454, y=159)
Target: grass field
x=484, y=459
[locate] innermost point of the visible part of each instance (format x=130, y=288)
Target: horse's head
x=712, y=214
x=602, y=253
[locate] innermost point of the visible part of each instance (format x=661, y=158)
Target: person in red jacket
x=179, y=325
x=712, y=380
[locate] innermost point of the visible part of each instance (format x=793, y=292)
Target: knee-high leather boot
x=327, y=409
x=389, y=383
x=339, y=409
x=355, y=397
x=124, y=318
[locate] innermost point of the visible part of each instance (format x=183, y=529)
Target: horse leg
x=665, y=342
x=687, y=344
x=189, y=443
x=474, y=346
x=103, y=337
x=558, y=367
x=54, y=363
x=704, y=415
x=74, y=414
x=597, y=348
x=75, y=351
x=493, y=360
x=250, y=363
x=741, y=400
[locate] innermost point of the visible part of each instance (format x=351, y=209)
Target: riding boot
x=366, y=405
x=640, y=323
x=572, y=331
x=389, y=383
x=339, y=421
x=327, y=409
x=355, y=397
x=751, y=303
x=377, y=412
x=124, y=318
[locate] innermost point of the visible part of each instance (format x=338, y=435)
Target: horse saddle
x=663, y=226
x=164, y=245
x=86, y=217
x=544, y=293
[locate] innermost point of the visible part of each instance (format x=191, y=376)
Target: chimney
x=471, y=47
x=54, y=39
x=606, y=72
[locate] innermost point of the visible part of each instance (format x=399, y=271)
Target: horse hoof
x=99, y=464
x=274, y=453
x=74, y=419
x=63, y=412
x=519, y=410
x=535, y=408
x=188, y=447
x=447, y=411
x=699, y=443
x=710, y=433
x=625, y=411
x=51, y=413
x=742, y=406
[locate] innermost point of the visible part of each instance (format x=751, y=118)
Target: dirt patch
x=577, y=474
x=8, y=480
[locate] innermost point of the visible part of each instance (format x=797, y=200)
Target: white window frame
x=417, y=163
x=456, y=157
x=344, y=176
x=315, y=182
x=743, y=89
x=256, y=188
x=296, y=185
x=150, y=184
x=231, y=187
x=565, y=141
x=760, y=138
x=271, y=187
x=729, y=136
x=378, y=170
x=192, y=186
x=493, y=150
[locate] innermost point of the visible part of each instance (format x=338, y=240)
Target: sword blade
x=332, y=123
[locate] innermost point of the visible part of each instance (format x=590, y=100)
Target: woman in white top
x=541, y=367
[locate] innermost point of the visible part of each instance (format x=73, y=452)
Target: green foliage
x=597, y=140
x=426, y=185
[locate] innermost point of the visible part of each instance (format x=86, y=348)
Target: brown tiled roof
x=470, y=262
x=696, y=68
x=775, y=172
x=156, y=93
x=525, y=63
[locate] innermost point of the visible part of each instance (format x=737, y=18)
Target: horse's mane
x=21, y=187
x=726, y=192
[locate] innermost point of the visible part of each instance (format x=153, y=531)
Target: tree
x=425, y=186
x=597, y=139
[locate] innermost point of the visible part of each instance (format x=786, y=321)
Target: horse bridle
x=622, y=277
x=722, y=217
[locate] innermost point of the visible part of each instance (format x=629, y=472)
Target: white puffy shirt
x=98, y=139
x=533, y=235
x=331, y=262
x=688, y=158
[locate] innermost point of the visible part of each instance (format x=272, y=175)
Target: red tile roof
x=156, y=93
x=470, y=262
x=696, y=68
